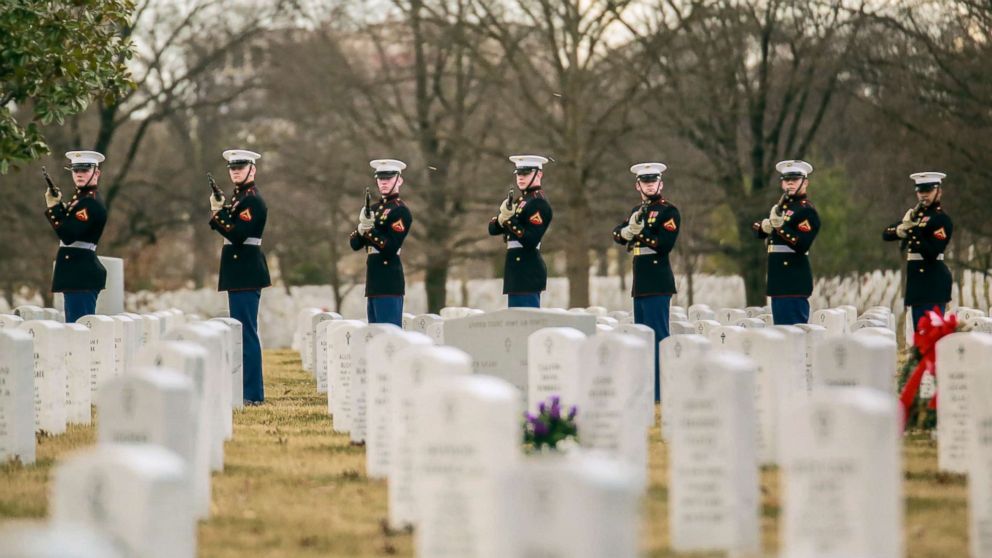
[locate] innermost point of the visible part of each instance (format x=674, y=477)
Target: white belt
x=643, y=251
x=781, y=249
x=251, y=241
x=917, y=257
x=516, y=244
x=374, y=250
x=79, y=244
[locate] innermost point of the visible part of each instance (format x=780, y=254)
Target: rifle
x=218, y=193
x=781, y=200
x=642, y=211
x=368, y=203
x=53, y=190
x=509, y=198
x=917, y=214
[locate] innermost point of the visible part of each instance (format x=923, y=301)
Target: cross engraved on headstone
x=723, y=338
x=822, y=425
x=449, y=409
x=678, y=350
x=347, y=338
x=960, y=352
x=548, y=343
x=158, y=360
x=507, y=343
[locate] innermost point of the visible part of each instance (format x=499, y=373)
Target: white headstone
x=78, y=371
x=189, y=359
x=103, y=349
x=420, y=323
x=772, y=379
x=312, y=347
x=17, y=396
x=36, y=539
x=553, y=365
x=497, y=341
x=814, y=335
x=958, y=367
x=49, y=374
x=750, y=323
x=676, y=355
x=646, y=334
x=237, y=362
x=136, y=493
x=975, y=363
x=303, y=338
x=382, y=352
x=417, y=365
x=342, y=357
x=834, y=320
x=703, y=327
x=699, y=312
x=730, y=316
x=227, y=375
x=360, y=379
x=468, y=435
x=10, y=321
x=713, y=495
x=842, y=475
x=855, y=360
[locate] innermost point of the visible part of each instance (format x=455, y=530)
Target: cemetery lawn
x=292, y=488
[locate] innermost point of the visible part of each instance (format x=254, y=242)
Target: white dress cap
x=387, y=165
x=232, y=155
x=927, y=177
x=529, y=161
x=794, y=167
x=648, y=168
x=85, y=157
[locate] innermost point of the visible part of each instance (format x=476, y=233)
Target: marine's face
x=241, y=174
x=386, y=184
x=793, y=185
x=928, y=197
x=650, y=187
x=82, y=177
x=524, y=178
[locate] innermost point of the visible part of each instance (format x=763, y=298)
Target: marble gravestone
x=10, y=321
x=49, y=374
x=227, y=379
x=342, y=358
x=17, y=397
x=713, y=496
x=497, y=341
x=417, y=365
x=553, y=364
x=381, y=359
x=974, y=362
x=359, y=379
x=468, y=434
x=841, y=471
x=138, y=494
x=237, y=360
x=855, y=360
x=580, y=506
x=312, y=345
x=103, y=349
x=49, y=539
x=957, y=370
x=78, y=372
x=189, y=359
x=677, y=354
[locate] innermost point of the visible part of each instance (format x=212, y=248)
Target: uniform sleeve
x=239, y=223
x=616, y=234
x=933, y=240
x=389, y=231
x=71, y=225
x=661, y=236
x=356, y=241
x=889, y=234
x=529, y=223
x=758, y=233
x=495, y=228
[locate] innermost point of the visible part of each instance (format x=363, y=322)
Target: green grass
x=292, y=488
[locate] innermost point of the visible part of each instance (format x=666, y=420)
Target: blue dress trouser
x=919, y=310
x=790, y=310
x=523, y=300
x=243, y=306
x=652, y=311
x=385, y=310
x=78, y=304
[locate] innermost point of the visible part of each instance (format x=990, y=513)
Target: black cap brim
x=792, y=176
x=239, y=163
x=81, y=166
x=929, y=186
x=386, y=174
x=524, y=170
x=649, y=177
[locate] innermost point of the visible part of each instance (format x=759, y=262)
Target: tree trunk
x=436, y=283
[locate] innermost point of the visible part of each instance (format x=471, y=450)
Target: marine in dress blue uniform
x=78, y=274
x=381, y=233
x=924, y=234
x=522, y=226
x=649, y=233
x=788, y=233
x=243, y=269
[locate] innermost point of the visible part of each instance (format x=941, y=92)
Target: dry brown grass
x=293, y=488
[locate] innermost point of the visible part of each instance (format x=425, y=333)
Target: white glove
x=902, y=229
x=505, y=212
x=766, y=226
x=634, y=225
x=51, y=200
x=908, y=217
x=365, y=222
x=216, y=204
x=626, y=234
x=775, y=218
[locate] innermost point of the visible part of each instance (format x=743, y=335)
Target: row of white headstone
x=163, y=419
